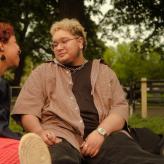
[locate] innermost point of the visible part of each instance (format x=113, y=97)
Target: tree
x=145, y=17
x=132, y=66
x=32, y=20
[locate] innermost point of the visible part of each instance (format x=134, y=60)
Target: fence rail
x=146, y=92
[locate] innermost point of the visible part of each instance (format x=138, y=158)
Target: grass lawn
x=14, y=126
x=154, y=123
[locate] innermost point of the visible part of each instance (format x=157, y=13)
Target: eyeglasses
x=62, y=42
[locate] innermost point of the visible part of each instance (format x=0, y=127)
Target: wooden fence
x=146, y=92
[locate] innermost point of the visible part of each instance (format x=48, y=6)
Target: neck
x=3, y=68
x=79, y=60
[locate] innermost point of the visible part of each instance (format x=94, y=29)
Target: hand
x=49, y=137
x=92, y=144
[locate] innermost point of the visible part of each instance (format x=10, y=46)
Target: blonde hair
x=71, y=25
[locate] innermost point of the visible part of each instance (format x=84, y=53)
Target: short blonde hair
x=71, y=25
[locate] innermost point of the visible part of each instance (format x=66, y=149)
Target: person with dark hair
x=10, y=143
x=78, y=107
x=9, y=58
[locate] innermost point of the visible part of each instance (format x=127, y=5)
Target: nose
x=60, y=46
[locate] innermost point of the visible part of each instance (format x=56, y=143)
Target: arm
x=32, y=124
x=112, y=123
x=29, y=105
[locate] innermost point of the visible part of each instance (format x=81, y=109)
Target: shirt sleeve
x=119, y=104
x=31, y=97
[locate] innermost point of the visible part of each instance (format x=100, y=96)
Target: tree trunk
x=72, y=9
x=19, y=71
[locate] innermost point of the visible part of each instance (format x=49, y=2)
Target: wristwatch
x=102, y=131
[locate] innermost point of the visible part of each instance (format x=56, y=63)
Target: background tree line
x=32, y=20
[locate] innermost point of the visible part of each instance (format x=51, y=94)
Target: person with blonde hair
x=78, y=107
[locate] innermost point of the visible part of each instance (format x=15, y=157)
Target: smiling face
x=68, y=48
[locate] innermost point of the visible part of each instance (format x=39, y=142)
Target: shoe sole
x=33, y=150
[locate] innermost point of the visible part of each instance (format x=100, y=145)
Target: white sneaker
x=33, y=150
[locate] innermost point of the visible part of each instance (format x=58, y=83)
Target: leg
x=148, y=140
x=64, y=153
x=118, y=148
x=9, y=151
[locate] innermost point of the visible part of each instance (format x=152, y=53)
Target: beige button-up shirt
x=47, y=94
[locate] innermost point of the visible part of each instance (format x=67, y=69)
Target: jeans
x=117, y=148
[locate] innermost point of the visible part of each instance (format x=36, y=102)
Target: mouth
x=61, y=54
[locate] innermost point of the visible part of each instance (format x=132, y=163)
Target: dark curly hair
x=6, y=31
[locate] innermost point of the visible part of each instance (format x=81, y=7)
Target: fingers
x=84, y=149
x=58, y=140
x=87, y=150
x=46, y=139
x=49, y=137
x=94, y=153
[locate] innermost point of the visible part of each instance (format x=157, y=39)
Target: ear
x=81, y=42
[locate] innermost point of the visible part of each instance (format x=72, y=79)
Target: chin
x=15, y=65
x=63, y=61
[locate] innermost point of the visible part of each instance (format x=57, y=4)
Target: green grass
x=154, y=123
x=15, y=127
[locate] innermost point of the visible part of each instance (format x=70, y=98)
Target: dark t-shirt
x=82, y=91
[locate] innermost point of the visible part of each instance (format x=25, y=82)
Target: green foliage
x=145, y=17
x=154, y=123
x=131, y=65
x=14, y=126
x=29, y=66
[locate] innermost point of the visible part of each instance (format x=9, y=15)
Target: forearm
x=31, y=123
x=112, y=123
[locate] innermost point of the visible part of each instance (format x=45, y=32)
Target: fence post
x=143, y=97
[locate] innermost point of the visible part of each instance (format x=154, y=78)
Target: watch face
x=102, y=131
